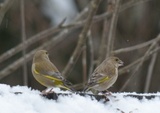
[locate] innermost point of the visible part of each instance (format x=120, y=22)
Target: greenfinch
x=105, y=75
x=46, y=73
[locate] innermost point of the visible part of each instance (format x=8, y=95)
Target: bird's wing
x=48, y=70
x=101, y=74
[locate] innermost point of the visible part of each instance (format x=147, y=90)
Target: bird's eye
x=46, y=52
x=116, y=59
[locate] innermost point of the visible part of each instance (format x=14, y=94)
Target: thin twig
x=84, y=63
x=4, y=8
x=91, y=53
x=25, y=75
x=128, y=68
x=48, y=44
x=30, y=41
x=82, y=38
x=112, y=30
x=150, y=72
x=102, y=48
x=53, y=30
x=138, y=66
x=138, y=46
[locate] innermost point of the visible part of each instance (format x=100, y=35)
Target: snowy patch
x=30, y=101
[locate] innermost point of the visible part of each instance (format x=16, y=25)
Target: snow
x=30, y=101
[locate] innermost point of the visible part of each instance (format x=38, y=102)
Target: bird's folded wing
x=48, y=72
x=98, y=78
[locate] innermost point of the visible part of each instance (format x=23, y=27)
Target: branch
x=112, y=30
x=51, y=43
x=150, y=72
x=23, y=32
x=58, y=28
x=91, y=52
x=4, y=8
x=30, y=41
x=82, y=37
x=139, y=65
x=84, y=63
x=106, y=25
x=127, y=68
x=138, y=46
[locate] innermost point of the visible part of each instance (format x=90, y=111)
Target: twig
x=84, y=63
x=138, y=46
x=30, y=41
x=51, y=43
x=53, y=30
x=82, y=38
x=131, y=3
x=127, y=68
x=121, y=9
x=112, y=30
x=102, y=48
x=4, y=8
x=150, y=72
x=25, y=75
x=91, y=53
x=138, y=66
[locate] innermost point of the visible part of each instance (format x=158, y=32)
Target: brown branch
x=150, y=72
x=138, y=66
x=23, y=32
x=128, y=68
x=82, y=37
x=51, y=43
x=91, y=52
x=4, y=8
x=48, y=44
x=84, y=63
x=102, y=48
x=30, y=41
x=112, y=30
x=53, y=30
x=138, y=46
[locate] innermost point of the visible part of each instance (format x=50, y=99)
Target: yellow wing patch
x=52, y=78
x=36, y=72
x=103, y=79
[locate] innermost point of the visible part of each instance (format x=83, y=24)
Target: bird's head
x=116, y=61
x=40, y=55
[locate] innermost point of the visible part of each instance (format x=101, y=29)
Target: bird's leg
x=107, y=93
x=44, y=92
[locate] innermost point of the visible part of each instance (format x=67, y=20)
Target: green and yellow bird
x=46, y=73
x=105, y=75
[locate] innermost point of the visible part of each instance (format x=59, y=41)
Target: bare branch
x=150, y=72
x=91, y=53
x=128, y=68
x=53, y=30
x=102, y=48
x=82, y=37
x=112, y=30
x=51, y=43
x=23, y=32
x=84, y=64
x=4, y=8
x=138, y=66
x=138, y=46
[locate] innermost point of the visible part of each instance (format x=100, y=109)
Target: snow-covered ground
x=31, y=102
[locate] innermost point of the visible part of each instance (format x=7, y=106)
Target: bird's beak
x=121, y=63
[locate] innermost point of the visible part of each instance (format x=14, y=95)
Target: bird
x=46, y=73
x=105, y=75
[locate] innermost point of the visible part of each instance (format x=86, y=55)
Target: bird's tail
x=67, y=85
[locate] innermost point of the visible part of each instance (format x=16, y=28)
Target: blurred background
x=21, y=20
